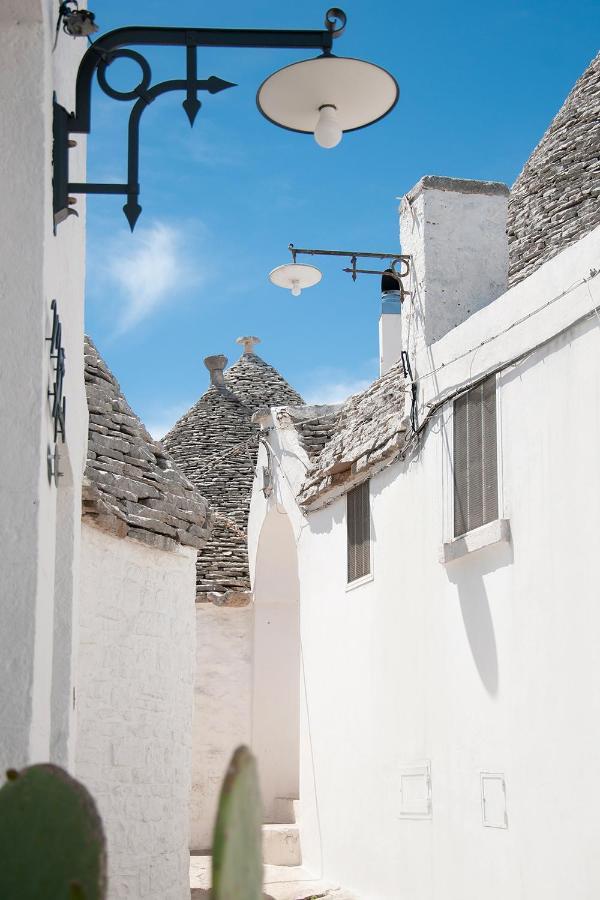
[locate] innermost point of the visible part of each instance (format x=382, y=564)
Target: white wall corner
x=455, y=232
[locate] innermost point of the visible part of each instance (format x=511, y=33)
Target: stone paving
x=280, y=883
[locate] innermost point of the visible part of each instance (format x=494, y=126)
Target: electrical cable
x=463, y=389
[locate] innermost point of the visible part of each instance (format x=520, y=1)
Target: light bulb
x=296, y=289
x=328, y=132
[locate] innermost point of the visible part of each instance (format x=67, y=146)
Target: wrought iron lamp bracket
x=396, y=259
x=117, y=44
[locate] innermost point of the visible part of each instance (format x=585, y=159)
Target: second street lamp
x=324, y=96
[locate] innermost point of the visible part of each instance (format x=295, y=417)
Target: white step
x=281, y=845
x=285, y=811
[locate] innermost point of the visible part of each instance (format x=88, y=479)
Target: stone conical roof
x=215, y=444
x=131, y=486
x=555, y=199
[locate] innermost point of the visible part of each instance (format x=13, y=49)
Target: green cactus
x=52, y=844
x=237, y=842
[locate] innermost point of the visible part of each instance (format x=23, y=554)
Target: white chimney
x=390, y=324
x=455, y=232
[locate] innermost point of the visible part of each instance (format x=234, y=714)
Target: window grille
x=359, y=532
x=475, y=458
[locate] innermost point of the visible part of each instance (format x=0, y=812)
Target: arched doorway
x=276, y=662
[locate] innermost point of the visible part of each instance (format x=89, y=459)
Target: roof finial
x=215, y=365
x=248, y=343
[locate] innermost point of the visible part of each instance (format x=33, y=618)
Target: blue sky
x=479, y=83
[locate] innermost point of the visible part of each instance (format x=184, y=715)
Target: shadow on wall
x=468, y=576
x=323, y=520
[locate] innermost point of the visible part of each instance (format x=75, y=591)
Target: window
x=359, y=532
x=475, y=459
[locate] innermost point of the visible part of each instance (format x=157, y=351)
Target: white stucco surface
x=222, y=706
x=276, y=662
x=455, y=234
x=390, y=340
x=134, y=698
x=486, y=664
x=38, y=572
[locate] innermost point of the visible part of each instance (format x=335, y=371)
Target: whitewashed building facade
x=215, y=444
x=97, y=641
x=39, y=521
x=444, y=544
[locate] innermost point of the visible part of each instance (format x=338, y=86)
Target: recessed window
x=359, y=532
x=475, y=458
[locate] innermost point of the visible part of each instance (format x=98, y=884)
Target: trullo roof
x=215, y=444
x=555, y=199
x=131, y=486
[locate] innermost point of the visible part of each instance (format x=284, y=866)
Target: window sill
x=350, y=585
x=496, y=532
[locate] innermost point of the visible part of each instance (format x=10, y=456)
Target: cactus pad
x=52, y=843
x=237, y=843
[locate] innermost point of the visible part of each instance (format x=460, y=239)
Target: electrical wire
x=515, y=360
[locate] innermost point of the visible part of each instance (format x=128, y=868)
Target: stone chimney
x=390, y=324
x=455, y=232
x=248, y=343
x=215, y=365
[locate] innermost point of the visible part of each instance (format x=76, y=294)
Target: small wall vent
x=415, y=791
x=493, y=800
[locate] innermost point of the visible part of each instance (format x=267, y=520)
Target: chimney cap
x=215, y=365
x=248, y=342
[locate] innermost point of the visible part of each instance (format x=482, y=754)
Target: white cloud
x=334, y=391
x=149, y=270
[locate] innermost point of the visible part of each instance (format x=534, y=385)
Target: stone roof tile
x=555, y=199
x=131, y=486
x=368, y=435
x=215, y=444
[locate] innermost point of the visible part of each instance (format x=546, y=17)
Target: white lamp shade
x=295, y=276
x=361, y=93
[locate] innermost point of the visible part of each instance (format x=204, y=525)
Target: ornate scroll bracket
x=116, y=44
x=144, y=94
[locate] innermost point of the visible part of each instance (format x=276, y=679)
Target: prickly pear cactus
x=52, y=843
x=237, y=841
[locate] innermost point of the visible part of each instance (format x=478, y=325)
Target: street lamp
x=294, y=276
x=324, y=96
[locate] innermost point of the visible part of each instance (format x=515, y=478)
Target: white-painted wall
x=390, y=332
x=247, y=683
x=222, y=707
x=486, y=664
x=276, y=662
x=134, y=697
x=39, y=524
x=454, y=230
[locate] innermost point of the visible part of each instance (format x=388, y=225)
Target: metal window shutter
x=475, y=456
x=460, y=466
x=490, y=453
x=365, y=530
x=351, y=524
x=359, y=532
x=475, y=461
